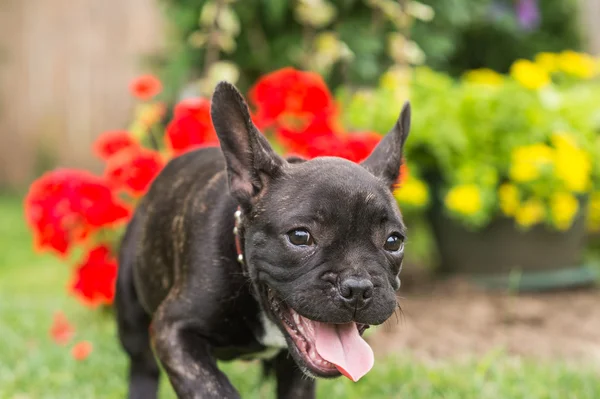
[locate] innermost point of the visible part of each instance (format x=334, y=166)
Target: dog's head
x=324, y=238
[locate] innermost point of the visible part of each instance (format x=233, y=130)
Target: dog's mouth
x=325, y=349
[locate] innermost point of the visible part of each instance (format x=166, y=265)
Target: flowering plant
x=522, y=146
x=80, y=217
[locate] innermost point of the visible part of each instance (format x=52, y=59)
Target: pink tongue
x=342, y=345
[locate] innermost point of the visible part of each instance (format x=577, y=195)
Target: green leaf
x=275, y=11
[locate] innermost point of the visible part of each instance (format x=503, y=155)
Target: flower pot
x=502, y=256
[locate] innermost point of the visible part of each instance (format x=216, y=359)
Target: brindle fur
x=180, y=289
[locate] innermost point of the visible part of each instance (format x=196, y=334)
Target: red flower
x=145, y=87
x=94, y=281
x=321, y=138
x=134, y=170
x=355, y=147
x=301, y=140
x=290, y=92
x=358, y=146
x=81, y=350
x=61, y=330
x=403, y=174
x=152, y=114
x=191, y=126
x=111, y=142
x=64, y=206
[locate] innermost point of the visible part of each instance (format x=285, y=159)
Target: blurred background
x=500, y=189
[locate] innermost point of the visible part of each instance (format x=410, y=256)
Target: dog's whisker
x=401, y=311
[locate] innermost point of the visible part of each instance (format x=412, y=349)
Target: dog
x=237, y=252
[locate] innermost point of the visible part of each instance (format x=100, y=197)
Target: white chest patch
x=272, y=336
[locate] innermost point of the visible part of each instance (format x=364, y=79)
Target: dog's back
x=184, y=193
x=182, y=232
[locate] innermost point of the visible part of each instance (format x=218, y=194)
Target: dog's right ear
x=385, y=160
x=251, y=162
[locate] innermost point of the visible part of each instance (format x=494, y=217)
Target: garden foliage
x=80, y=217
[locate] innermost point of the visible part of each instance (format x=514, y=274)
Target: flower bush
x=522, y=146
x=80, y=217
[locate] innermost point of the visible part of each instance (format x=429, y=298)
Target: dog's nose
x=356, y=292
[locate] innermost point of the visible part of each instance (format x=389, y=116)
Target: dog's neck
x=270, y=336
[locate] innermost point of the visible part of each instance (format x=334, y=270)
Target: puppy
x=236, y=252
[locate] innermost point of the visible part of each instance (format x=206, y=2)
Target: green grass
x=32, y=287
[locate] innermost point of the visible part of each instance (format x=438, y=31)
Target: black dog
x=322, y=243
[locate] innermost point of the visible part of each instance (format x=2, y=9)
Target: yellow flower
x=523, y=171
x=577, y=64
x=528, y=161
x=509, y=199
x=484, y=76
x=413, y=192
x=395, y=77
x=328, y=43
x=593, y=221
x=529, y=75
x=150, y=114
x=547, y=61
x=363, y=95
x=573, y=165
x=464, y=199
x=563, y=208
x=397, y=81
x=530, y=213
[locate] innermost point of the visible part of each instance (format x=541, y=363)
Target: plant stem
x=308, y=36
x=153, y=139
x=405, y=31
x=211, y=54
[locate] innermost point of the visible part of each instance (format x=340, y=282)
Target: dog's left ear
x=385, y=160
x=251, y=162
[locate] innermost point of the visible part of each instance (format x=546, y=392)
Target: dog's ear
x=251, y=162
x=385, y=160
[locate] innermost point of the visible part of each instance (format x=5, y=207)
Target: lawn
x=32, y=288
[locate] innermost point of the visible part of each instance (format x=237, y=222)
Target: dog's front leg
x=292, y=383
x=187, y=359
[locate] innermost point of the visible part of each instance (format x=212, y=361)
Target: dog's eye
x=300, y=237
x=393, y=243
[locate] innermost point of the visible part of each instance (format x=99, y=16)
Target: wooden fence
x=64, y=70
